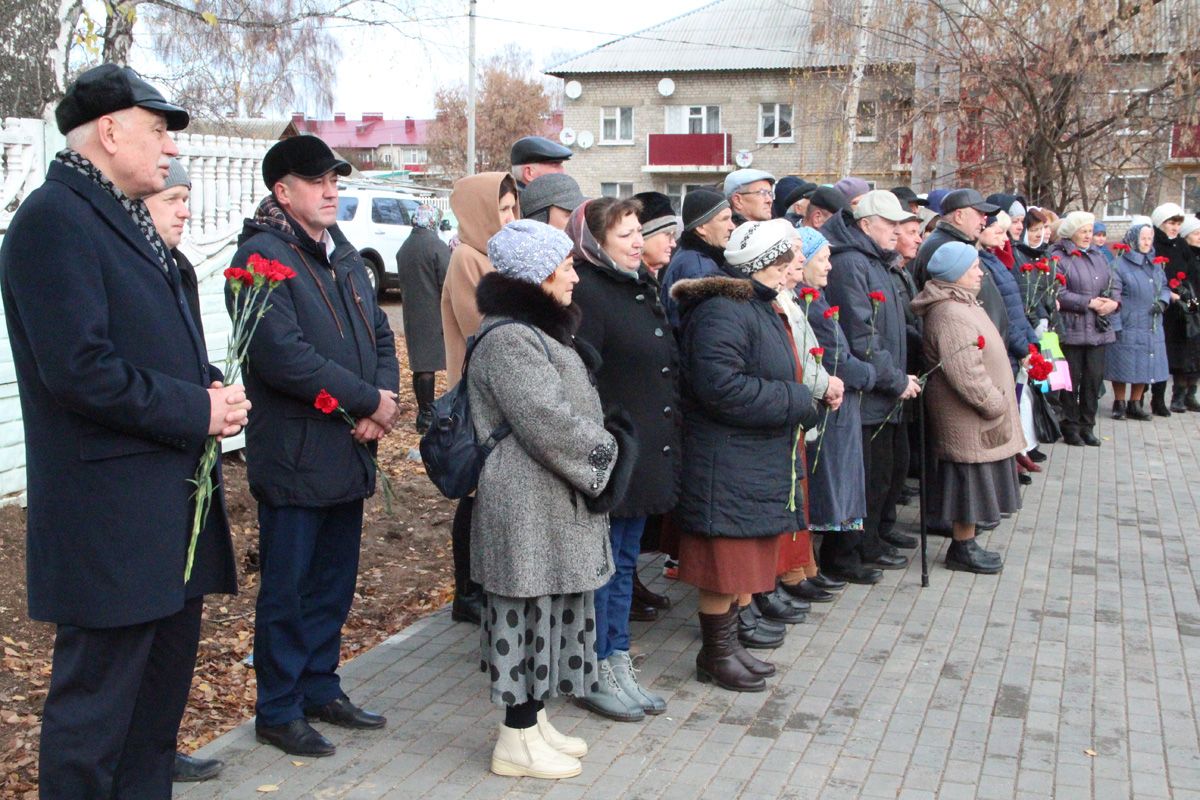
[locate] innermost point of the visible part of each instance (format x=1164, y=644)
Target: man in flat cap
x=118, y=399
x=532, y=156
x=551, y=198
x=310, y=472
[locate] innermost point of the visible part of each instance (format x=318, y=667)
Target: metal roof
x=749, y=35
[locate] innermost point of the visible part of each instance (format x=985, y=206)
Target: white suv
x=377, y=221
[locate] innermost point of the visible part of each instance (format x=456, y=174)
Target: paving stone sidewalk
x=1073, y=674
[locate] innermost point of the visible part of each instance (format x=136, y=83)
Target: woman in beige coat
x=972, y=404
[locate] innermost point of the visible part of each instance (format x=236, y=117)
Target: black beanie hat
x=656, y=213
x=701, y=205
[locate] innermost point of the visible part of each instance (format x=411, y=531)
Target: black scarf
x=692, y=241
x=136, y=209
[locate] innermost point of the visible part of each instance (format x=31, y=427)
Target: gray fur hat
x=528, y=250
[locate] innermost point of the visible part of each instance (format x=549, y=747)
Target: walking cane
x=921, y=493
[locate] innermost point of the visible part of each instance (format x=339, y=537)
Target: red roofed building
x=373, y=143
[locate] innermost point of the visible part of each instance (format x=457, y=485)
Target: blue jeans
x=309, y=565
x=614, y=598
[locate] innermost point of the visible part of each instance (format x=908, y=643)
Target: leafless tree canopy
x=26, y=72
x=512, y=103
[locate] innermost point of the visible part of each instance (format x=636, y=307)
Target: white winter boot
x=523, y=753
x=569, y=745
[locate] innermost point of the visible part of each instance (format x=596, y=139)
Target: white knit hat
x=754, y=245
x=1073, y=221
x=1190, y=225
x=1165, y=212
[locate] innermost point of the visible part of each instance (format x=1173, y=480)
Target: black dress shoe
x=1024, y=478
x=467, y=608
x=1037, y=456
x=823, y=581
x=1089, y=439
x=1119, y=409
x=861, y=574
x=752, y=634
x=640, y=612
x=900, y=540
x=968, y=556
x=1137, y=411
x=777, y=609
x=1072, y=439
x=808, y=591
x=344, y=714
x=889, y=561
x=187, y=769
x=296, y=738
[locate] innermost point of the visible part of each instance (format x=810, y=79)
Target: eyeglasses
x=769, y=194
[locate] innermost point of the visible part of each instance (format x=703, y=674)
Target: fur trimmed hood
x=498, y=295
x=695, y=290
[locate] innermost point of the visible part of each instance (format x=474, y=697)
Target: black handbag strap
x=503, y=429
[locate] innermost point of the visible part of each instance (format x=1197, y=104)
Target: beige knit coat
x=971, y=401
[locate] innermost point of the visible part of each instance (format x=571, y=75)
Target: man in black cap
x=532, y=156
x=908, y=198
x=118, y=400
x=964, y=216
x=707, y=224
x=311, y=472
x=824, y=203
x=551, y=198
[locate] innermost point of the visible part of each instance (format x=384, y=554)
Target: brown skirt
x=795, y=551
x=722, y=565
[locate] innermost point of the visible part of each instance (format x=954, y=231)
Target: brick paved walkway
x=976, y=687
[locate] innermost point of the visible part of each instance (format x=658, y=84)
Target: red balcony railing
x=694, y=150
x=1185, y=142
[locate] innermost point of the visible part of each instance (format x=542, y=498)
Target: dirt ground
x=405, y=573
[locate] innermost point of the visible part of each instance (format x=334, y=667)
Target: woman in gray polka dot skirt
x=539, y=531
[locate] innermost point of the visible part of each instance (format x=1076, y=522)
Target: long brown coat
x=971, y=401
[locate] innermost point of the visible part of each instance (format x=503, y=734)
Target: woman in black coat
x=743, y=410
x=624, y=322
x=421, y=264
x=1181, y=324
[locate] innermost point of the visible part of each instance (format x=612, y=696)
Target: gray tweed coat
x=540, y=524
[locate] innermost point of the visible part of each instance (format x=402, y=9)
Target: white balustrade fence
x=226, y=175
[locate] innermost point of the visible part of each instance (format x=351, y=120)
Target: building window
x=616, y=125
x=415, y=156
x=693, y=119
x=1125, y=196
x=1140, y=104
x=775, y=122
x=616, y=190
x=1191, y=192
x=867, y=124
x=387, y=158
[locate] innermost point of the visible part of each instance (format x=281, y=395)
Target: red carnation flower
x=1174, y=283
x=817, y=352
x=832, y=312
x=1161, y=260
x=1056, y=258
x=1120, y=247
x=1062, y=279
x=1027, y=267
x=808, y=294
x=1076, y=253
x=980, y=342
x=1181, y=276
x=877, y=297
x=1043, y=267
x=239, y=274
x=325, y=402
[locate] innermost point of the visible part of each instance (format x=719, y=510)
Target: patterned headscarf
x=1131, y=239
x=427, y=216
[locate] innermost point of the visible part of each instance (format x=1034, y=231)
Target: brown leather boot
x=648, y=598
x=753, y=664
x=718, y=661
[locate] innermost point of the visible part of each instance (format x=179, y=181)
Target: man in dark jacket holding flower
x=862, y=242
x=308, y=471
x=118, y=400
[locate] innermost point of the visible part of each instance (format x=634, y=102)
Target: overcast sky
x=383, y=70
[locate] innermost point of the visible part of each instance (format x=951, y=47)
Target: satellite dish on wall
x=744, y=158
x=666, y=87
x=567, y=136
x=573, y=89
x=585, y=139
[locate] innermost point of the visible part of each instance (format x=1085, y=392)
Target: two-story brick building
x=734, y=83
